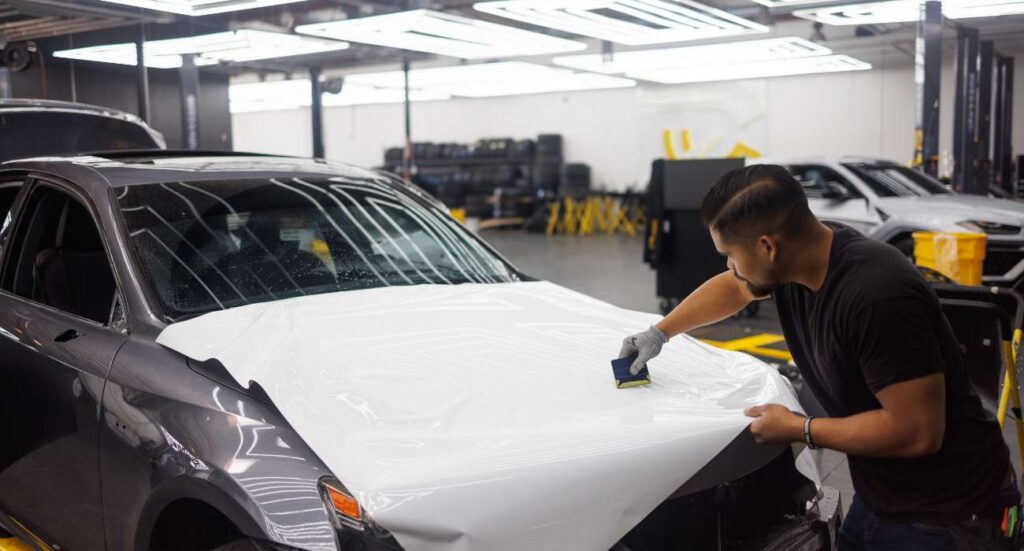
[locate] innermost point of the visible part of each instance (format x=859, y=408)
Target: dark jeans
x=862, y=529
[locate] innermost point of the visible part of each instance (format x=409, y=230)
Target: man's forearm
x=875, y=433
x=715, y=300
x=910, y=423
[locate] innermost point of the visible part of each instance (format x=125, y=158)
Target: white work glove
x=645, y=345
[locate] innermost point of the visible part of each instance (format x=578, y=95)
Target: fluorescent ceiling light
x=901, y=11
x=759, y=69
x=493, y=79
x=441, y=33
x=292, y=94
x=630, y=22
x=728, y=52
x=200, y=7
x=209, y=49
x=785, y=3
x=896, y=11
x=770, y=57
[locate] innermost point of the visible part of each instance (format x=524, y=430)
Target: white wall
x=618, y=132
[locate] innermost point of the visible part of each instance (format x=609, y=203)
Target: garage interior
x=577, y=138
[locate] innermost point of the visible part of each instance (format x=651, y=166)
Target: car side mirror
x=836, y=192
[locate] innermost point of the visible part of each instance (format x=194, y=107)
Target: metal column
x=142, y=73
x=189, y=102
x=965, y=124
x=407, y=157
x=317, y=111
x=1002, y=144
x=928, y=78
x=983, y=176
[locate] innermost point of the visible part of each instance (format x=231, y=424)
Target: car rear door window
x=57, y=257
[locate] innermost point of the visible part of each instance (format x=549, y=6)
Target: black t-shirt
x=875, y=322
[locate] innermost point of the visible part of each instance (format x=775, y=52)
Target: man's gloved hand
x=645, y=345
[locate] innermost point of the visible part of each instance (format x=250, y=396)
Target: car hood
x=486, y=416
x=947, y=209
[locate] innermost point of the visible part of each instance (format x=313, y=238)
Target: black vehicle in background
x=36, y=128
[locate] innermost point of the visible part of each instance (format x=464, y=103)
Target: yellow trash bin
x=956, y=255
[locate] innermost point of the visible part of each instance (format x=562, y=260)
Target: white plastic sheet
x=486, y=417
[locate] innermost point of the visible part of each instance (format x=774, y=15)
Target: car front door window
x=815, y=180
x=852, y=209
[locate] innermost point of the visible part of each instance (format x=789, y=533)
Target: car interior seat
x=74, y=275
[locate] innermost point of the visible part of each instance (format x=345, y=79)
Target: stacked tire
x=575, y=181
x=547, y=165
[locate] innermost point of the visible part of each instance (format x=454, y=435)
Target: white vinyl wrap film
x=485, y=416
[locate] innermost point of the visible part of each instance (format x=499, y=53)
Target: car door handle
x=66, y=336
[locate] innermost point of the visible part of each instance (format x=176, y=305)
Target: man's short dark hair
x=757, y=200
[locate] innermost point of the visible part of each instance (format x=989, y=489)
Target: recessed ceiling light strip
x=443, y=34
x=630, y=22
x=194, y=8
x=761, y=69
x=210, y=49
x=904, y=11
x=688, y=56
x=492, y=80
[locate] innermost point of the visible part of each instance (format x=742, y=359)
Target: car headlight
x=353, y=527
x=990, y=228
x=344, y=509
x=970, y=226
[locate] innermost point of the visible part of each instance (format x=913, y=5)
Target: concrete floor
x=611, y=269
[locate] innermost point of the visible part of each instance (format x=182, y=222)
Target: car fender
x=184, y=435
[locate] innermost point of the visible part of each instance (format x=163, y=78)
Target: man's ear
x=770, y=246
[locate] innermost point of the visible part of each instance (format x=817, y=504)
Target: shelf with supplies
x=494, y=178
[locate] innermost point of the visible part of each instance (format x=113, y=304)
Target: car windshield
x=207, y=246
x=34, y=133
x=890, y=180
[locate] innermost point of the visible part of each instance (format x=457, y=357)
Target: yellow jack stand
x=1011, y=394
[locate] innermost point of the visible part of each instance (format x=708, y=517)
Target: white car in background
x=889, y=202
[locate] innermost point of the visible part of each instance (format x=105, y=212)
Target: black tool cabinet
x=676, y=244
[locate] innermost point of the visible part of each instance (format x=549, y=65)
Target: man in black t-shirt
x=928, y=463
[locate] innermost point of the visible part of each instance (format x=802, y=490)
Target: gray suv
x=112, y=440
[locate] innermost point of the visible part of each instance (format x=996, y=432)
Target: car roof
x=821, y=159
x=51, y=105
x=126, y=168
